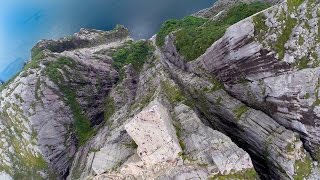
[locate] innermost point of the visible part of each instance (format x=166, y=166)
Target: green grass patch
x=303, y=168
x=174, y=94
x=217, y=85
x=249, y=174
x=179, y=136
x=175, y=24
x=310, y=5
x=293, y=5
x=132, y=144
x=239, y=111
x=82, y=125
x=306, y=96
x=218, y=101
x=302, y=63
x=135, y=53
x=35, y=61
x=109, y=109
x=182, y=144
x=284, y=37
x=260, y=26
x=194, y=35
x=193, y=42
x=25, y=164
x=301, y=40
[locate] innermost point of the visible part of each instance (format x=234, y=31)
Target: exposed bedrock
x=38, y=121
x=283, y=83
x=84, y=38
x=157, y=138
x=276, y=151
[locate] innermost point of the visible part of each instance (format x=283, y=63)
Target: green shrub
x=193, y=42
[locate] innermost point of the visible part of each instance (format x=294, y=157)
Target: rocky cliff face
x=98, y=105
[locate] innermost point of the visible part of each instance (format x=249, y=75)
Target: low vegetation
x=249, y=174
x=216, y=85
x=290, y=23
x=239, y=111
x=194, y=35
x=175, y=24
x=109, y=109
x=303, y=168
x=173, y=93
x=34, y=63
x=283, y=35
x=293, y=4
x=135, y=53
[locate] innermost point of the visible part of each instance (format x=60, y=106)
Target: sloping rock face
x=273, y=67
x=179, y=149
x=245, y=109
x=274, y=149
x=158, y=138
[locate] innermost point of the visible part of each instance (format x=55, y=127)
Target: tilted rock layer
x=248, y=108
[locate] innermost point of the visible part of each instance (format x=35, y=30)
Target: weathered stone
x=263, y=137
x=154, y=134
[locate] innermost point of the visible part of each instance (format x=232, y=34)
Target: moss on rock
x=303, y=168
x=249, y=174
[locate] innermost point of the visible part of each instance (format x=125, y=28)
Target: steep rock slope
x=41, y=108
x=98, y=105
x=270, y=62
x=171, y=140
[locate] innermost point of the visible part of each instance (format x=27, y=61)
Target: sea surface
x=24, y=22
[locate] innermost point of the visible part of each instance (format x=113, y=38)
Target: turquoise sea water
x=24, y=22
